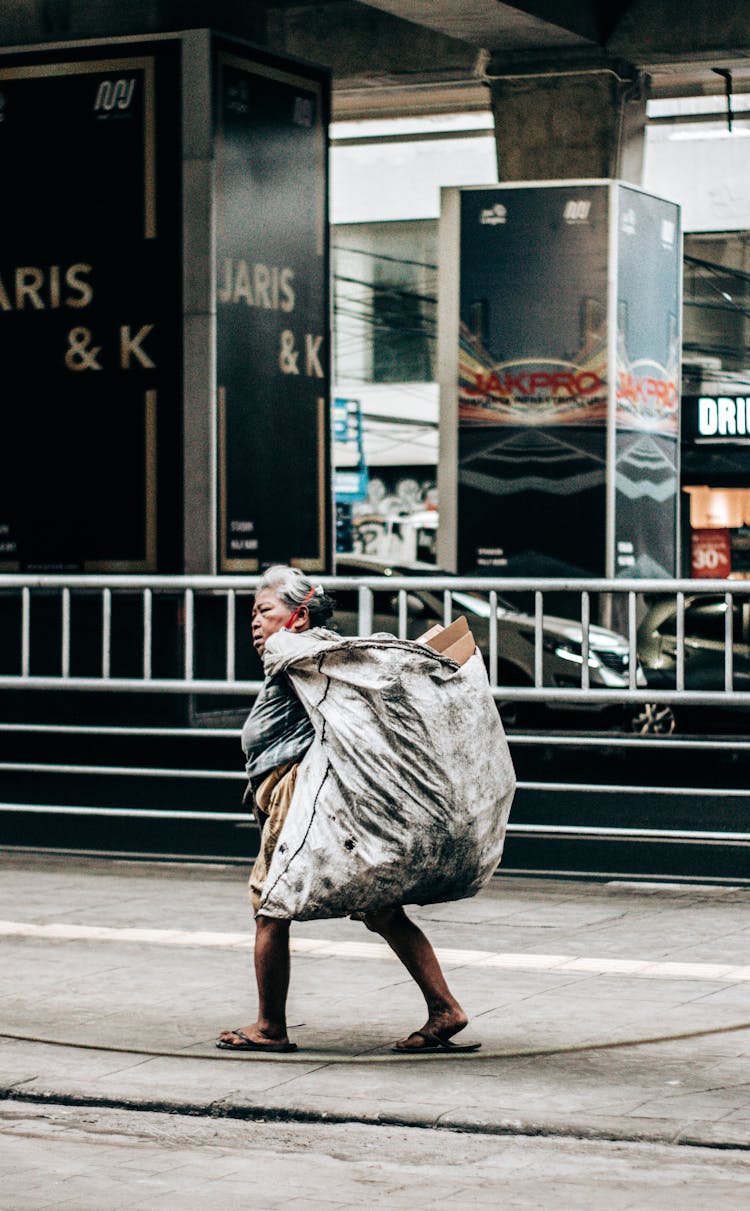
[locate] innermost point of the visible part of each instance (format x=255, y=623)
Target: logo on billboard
x=647, y=396
x=114, y=95
x=530, y=391
x=577, y=210
x=647, y=391
x=493, y=215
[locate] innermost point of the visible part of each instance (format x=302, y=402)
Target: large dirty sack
x=405, y=793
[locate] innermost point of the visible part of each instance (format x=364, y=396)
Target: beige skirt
x=272, y=800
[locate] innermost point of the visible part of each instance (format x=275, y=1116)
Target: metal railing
x=189, y=636
x=60, y=648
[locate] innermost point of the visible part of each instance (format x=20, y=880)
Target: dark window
x=403, y=334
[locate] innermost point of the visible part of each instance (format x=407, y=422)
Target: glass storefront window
x=721, y=508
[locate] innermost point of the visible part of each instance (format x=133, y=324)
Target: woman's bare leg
x=445, y=1015
x=272, y=978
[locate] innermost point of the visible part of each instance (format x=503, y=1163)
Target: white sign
x=723, y=416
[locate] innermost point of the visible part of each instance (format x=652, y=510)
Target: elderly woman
x=275, y=738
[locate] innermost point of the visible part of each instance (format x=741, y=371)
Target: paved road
x=129, y=970
x=150, y=957
x=102, y=1160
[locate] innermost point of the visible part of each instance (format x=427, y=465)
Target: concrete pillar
x=568, y=119
x=199, y=503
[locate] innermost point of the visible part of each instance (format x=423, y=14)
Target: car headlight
x=569, y=651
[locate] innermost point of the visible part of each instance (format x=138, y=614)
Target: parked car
x=562, y=638
x=705, y=622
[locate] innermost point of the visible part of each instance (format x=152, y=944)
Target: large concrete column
x=567, y=119
x=200, y=463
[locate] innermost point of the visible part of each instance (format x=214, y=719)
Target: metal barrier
x=596, y=671
x=129, y=635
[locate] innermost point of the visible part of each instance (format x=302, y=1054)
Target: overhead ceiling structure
x=421, y=56
x=406, y=56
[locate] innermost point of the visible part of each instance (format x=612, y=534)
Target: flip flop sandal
x=248, y=1044
x=433, y=1042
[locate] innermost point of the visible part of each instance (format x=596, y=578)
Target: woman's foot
x=249, y=1038
x=440, y=1026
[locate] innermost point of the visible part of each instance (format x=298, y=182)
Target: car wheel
x=654, y=719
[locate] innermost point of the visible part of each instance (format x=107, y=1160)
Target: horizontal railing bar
x=603, y=695
x=91, y=729
x=576, y=740
x=520, y=739
x=607, y=788
x=133, y=583
x=135, y=813
x=119, y=771
x=124, y=771
x=553, y=830
x=502, y=584
x=606, y=695
x=162, y=857
x=554, y=739
x=631, y=834
x=172, y=685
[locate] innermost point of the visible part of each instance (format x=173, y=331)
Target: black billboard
x=272, y=316
x=90, y=310
x=533, y=378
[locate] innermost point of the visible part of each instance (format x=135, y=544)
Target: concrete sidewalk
x=133, y=958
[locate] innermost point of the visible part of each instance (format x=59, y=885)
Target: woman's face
x=271, y=615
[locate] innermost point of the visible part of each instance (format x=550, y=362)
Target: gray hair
x=292, y=587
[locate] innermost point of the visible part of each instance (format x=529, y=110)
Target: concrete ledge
x=613, y=1130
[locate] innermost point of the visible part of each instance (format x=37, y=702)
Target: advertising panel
x=533, y=389
x=272, y=317
x=647, y=406
x=710, y=553
x=90, y=310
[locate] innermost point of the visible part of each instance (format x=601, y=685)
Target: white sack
x=405, y=793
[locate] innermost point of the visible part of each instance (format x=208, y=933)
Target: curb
x=617, y=1131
